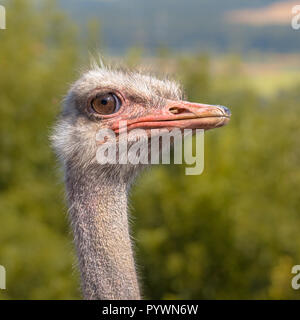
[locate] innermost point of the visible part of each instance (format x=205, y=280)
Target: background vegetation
x=232, y=232
x=189, y=25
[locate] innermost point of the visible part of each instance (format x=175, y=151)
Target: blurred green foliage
x=231, y=232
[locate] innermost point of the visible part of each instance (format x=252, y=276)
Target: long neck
x=98, y=213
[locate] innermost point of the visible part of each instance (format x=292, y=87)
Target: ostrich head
x=102, y=98
x=97, y=194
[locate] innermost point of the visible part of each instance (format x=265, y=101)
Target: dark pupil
x=104, y=101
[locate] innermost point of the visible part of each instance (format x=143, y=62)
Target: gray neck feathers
x=98, y=214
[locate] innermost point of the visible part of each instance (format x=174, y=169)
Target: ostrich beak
x=183, y=115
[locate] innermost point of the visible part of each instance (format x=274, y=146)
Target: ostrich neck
x=98, y=214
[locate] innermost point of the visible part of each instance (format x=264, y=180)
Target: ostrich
x=97, y=194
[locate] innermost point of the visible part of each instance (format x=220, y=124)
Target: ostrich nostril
x=173, y=110
x=177, y=110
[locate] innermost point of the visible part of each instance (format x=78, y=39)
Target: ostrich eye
x=106, y=104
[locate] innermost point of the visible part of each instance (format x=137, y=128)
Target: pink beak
x=183, y=115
